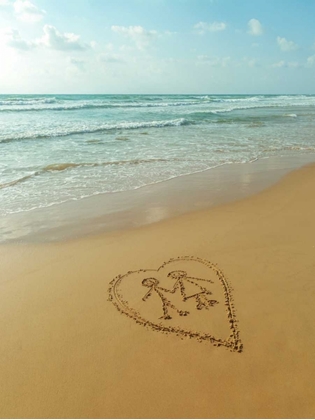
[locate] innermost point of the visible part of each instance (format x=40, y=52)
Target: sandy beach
x=208, y=314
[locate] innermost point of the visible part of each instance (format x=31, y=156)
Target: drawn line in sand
x=181, y=284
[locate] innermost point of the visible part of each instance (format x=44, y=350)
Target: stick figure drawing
x=202, y=294
x=152, y=283
x=182, y=283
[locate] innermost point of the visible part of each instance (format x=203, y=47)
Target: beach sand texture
x=209, y=314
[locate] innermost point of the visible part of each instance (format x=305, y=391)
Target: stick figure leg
x=203, y=302
x=166, y=305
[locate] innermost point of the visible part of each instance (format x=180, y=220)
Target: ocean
x=59, y=148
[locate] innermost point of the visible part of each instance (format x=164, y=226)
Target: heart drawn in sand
x=186, y=296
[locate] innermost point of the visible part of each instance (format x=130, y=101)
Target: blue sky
x=157, y=46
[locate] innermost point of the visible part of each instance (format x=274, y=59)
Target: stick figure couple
x=182, y=281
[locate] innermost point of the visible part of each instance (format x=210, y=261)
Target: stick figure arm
x=145, y=297
x=196, y=278
x=175, y=287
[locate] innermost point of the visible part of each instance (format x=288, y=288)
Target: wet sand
x=149, y=204
x=206, y=314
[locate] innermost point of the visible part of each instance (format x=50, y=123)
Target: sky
x=157, y=46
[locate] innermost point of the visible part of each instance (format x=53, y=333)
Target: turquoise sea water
x=56, y=148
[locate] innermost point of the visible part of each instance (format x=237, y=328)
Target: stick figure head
x=177, y=275
x=150, y=282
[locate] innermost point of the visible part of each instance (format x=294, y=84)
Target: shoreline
x=67, y=352
x=149, y=204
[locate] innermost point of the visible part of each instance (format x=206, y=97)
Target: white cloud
x=109, y=47
x=290, y=64
x=213, y=61
x=56, y=40
x=170, y=33
x=255, y=27
x=286, y=45
x=126, y=48
x=310, y=62
x=202, y=27
x=140, y=36
x=110, y=58
x=5, y=3
x=14, y=40
x=294, y=64
x=27, y=11
x=279, y=64
x=253, y=62
x=79, y=64
x=52, y=39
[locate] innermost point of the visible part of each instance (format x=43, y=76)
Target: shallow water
x=59, y=148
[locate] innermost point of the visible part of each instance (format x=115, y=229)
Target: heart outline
x=233, y=342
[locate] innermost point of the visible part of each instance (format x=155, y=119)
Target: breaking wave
x=101, y=128
x=54, y=105
x=73, y=103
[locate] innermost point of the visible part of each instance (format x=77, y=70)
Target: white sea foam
x=54, y=105
x=27, y=101
x=88, y=129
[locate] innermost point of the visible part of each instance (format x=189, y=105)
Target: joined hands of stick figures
x=152, y=283
x=180, y=277
x=202, y=300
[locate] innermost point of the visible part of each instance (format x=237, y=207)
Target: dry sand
x=70, y=347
